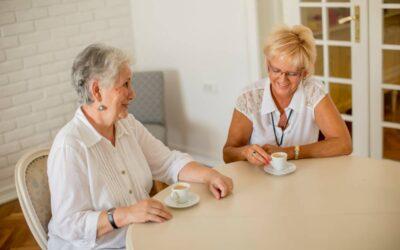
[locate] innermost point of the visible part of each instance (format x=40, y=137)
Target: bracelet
x=296, y=152
x=110, y=216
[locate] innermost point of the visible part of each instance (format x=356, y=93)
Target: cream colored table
x=333, y=203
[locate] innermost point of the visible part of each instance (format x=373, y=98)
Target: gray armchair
x=148, y=106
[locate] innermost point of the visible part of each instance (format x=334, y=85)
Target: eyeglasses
x=289, y=74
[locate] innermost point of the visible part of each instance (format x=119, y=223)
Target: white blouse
x=87, y=175
x=256, y=103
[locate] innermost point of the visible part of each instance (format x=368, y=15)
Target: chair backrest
x=33, y=192
x=148, y=106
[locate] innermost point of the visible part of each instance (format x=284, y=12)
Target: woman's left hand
x=271, y=148
x=219, y=184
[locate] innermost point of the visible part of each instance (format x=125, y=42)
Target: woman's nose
x=283, y=76
x=132, y=94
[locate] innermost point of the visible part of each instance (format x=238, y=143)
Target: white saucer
x=289, y=168
x=193, y=200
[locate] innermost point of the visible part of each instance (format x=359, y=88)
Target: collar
x=89, y=134
x=268, y=105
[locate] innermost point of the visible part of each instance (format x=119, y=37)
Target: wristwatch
x=110, y=216
x=296, y=152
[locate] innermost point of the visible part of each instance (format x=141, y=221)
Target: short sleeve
x=249, y=102
x=315, y=91
x=241, y=106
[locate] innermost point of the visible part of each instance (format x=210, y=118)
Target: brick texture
x=38, y=42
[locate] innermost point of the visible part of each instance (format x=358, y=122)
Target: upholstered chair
x=148, y=106
x=33, y=192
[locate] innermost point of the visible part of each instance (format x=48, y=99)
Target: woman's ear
x=304, y=75
x=95, y=89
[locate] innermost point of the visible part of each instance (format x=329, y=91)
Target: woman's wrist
x=290, y=152
x=122, y=216
x=243, y=152
x=209, y=175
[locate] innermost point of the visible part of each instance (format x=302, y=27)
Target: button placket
x=122, y=169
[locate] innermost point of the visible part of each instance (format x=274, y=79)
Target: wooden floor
x=14, y=232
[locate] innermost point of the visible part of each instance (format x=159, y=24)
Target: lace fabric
x=250, y=100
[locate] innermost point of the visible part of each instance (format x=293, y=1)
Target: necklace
x=283, y=131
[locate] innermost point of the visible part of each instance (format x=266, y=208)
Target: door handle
x=346, y=19
x=355, y=18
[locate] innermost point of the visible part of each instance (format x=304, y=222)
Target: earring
x=101, y=107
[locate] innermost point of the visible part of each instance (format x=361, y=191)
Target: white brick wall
x=38, y=41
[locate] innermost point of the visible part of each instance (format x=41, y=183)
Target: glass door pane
x=391, y=143
x=319, y=62
x=341, y=96
x=390, y=82
x=312, y=18
x=391, y=1
x=391, y=105
x=340, y=32
x=391, y=66
x=340, y=61
x=391, y=26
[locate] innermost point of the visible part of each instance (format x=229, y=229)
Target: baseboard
x=198, y=156
x=7, y=194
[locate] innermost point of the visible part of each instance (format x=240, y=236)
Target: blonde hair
x=295, y=45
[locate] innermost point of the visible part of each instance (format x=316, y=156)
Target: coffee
x=180, y=187
x=278, y=155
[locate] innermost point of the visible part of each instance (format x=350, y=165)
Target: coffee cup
x=180, y=192
x=279, y=160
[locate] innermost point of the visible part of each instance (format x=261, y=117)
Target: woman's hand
x=270, y=149
x=147, y=210
x=219, y=184
x=256, y=155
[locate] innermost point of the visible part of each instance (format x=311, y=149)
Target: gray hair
x=97, y=61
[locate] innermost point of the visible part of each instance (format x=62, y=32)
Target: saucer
x=193, y=200
x=289, y=168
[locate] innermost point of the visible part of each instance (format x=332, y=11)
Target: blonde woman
x=286, y=111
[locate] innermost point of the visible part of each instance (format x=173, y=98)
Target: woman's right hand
x=256, y=155
x=148, y=210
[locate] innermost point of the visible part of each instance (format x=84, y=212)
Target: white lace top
x=87, y=175
x=256, y=103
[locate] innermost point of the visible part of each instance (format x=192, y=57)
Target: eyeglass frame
x=289, y=74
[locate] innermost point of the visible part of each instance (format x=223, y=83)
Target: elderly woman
x=102, y=163
x=287, y=111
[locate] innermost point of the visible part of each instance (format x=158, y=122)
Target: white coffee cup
x=279, y=160
x=180, y=192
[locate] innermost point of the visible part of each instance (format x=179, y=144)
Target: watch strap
x=110, y=216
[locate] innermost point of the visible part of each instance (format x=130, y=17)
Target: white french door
x=384, y=23
x=358, y=44
x=340, y=30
